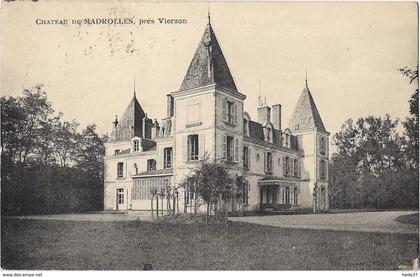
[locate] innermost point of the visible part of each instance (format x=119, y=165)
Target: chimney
x=276, y=116
x=169, y=105
x=116, y=121
x=264, y=114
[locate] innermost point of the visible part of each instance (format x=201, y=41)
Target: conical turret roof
x=208, y=65
x=306, y=115
x=131, y=123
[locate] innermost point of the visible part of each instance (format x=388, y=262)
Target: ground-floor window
x=143, y=188
x=120, y=196
x=245, y=188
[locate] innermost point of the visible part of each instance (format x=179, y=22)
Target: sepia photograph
x=209, y=136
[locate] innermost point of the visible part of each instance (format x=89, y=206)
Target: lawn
x=37, y=244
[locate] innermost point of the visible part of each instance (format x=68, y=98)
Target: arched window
x=287, y=140
x=269, y=134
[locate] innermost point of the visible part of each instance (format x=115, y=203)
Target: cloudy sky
x=351, y=51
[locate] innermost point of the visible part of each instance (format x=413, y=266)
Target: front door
x=120, y=199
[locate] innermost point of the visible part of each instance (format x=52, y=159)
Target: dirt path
x=382, y=222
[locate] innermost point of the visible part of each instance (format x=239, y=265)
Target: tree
x=66, y=140
x=33, y=139
x=210, y=182
x=367, y=150
x=411, y=124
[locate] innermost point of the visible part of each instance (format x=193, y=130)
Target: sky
x=350, y=50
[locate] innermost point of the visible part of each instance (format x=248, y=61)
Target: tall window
x=323, y=170
x=287, y=194
x=151, y=165
x=286, y=166
x=295, y=167
x=322, y=146
x=295, y=192
x=167, y=153
x=269, y=162
x=192, y=147
x=245, y=188
x=229, y=111
x=229, y=148
x=246, y=133
x=246, y=157
x=120, y=170
x=136, y=145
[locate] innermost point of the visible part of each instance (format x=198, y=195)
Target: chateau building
x=278, y=168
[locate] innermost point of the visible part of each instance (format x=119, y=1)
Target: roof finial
x=134, y=86
x=259, y=100
x=208, y=11
x=306, y=77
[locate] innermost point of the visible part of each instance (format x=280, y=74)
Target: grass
x=37, y=244
x=409, y=219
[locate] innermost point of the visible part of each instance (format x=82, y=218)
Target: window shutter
x=292, y=171
x=284, y=166
x=224, y=109
x=265, y=161
x=249, y=157
x=236, y=157
x=235, y=113
x=298, y=168
x=161, y=158
x=202, y=149
x=224, y=146
x=184, y=148
x=320, y=169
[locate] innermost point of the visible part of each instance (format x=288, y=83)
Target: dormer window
x=136, y=145
x=287, y=140
x=269, y=134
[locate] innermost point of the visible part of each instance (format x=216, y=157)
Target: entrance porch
x=278, y=195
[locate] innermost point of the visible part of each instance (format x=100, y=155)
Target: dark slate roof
x=199, y=74
x=166, y=171
x=148, y=145
x=256, y=135
x=306, y=115
x=130, y=124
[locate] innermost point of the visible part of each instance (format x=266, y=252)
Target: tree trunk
x=157, y=206
x=151, y=205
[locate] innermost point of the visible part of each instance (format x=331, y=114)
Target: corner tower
x=208, y=110
x=307, y=125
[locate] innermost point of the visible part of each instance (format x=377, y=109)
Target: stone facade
x=279, y=168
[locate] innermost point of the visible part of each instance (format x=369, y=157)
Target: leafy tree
x=411, y=124
x=66, y=141
x=369, y=156
x=33, y=139
x=211, y=182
